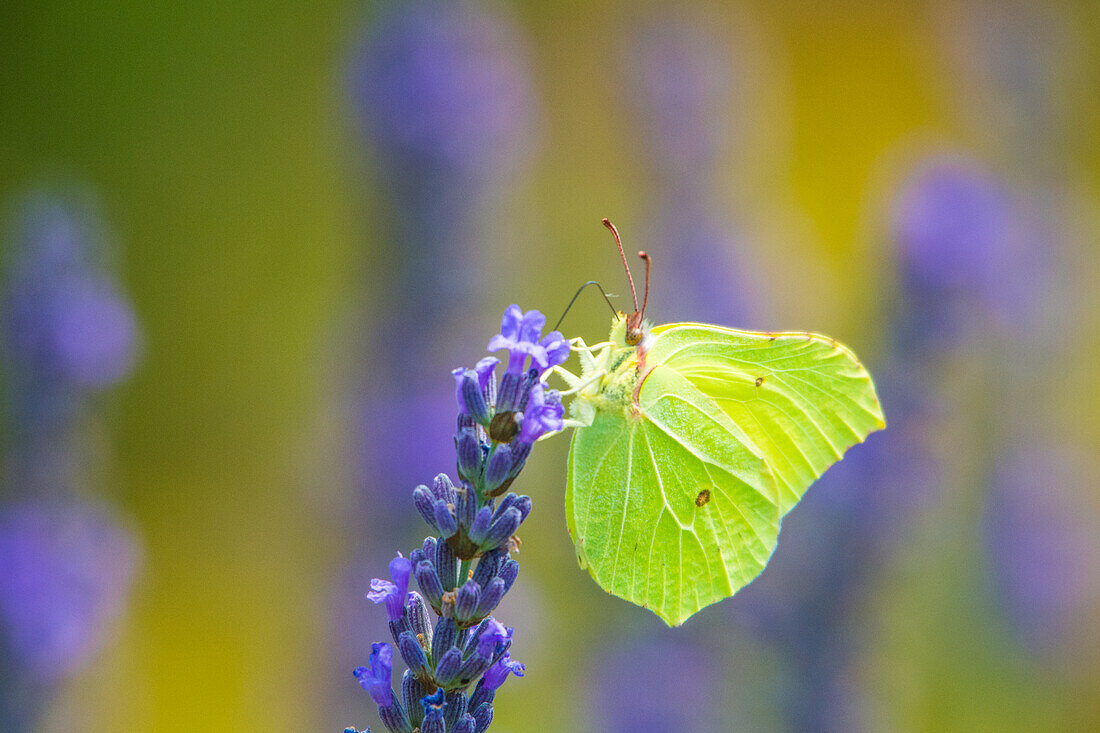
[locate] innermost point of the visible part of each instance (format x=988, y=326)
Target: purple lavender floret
x=393, y=594
x=67, y=568
x=465, y=571
x=375, y=679
x=543, y=414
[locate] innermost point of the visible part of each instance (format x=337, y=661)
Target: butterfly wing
x=802, y=399
x=670, y=506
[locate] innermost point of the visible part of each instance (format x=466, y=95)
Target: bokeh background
x=244, y=243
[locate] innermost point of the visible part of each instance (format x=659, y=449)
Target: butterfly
x=691, y=443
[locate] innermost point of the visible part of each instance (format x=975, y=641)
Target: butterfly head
x=635, y=329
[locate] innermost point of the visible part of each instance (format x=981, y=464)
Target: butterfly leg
x=577, y=384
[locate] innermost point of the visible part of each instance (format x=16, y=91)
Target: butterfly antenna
x=648, y=264
x=618, y=242
x=577, y=295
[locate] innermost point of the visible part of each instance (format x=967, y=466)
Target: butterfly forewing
x=802, y=399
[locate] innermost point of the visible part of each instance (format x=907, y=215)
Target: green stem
x=464, y=570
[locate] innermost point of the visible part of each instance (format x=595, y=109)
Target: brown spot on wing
x=703, y=497
x=759, y=381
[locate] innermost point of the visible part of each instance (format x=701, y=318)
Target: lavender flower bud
x=443, y=488
x=417, y=556
x=413, y=654
x=526, y=388
x=446, y=670
x=497, y=469
x=411, y=692
x=491, y=597
x=472, y=668
x=480, y=525
x=487, y=377
x=473, y=634
x=425, y=504
x=397, y=628
x=416, y=619
x=483, y=716
x=444, y=519
x=488, y=566
x=466, y=601
x=520, y=452
x=466, y=508
x=523, y=504
x=465, y=724
x=505, y=502
x=508, y=573
x=502, y=529
x=470, y=396
x=455, y=708
x=446, y=633
x=508, y=396
x=468, y=450
x=433, y=706
x=446, y=564
x=394, y=718
x=482, y=695
x=429, y=547
x=428, y=580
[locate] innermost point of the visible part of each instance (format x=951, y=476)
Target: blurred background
x=244, y=243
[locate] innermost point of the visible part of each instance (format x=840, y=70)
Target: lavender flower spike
x=393, y=594
x=464, y=568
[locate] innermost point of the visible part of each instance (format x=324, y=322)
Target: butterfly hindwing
x=669, y=503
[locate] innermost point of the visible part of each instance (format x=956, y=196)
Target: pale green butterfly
x=692, y=442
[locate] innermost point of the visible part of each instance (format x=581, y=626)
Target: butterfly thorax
x=613, y=374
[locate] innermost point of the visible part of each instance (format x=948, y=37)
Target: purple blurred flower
x=683, y=83
x=951, y=222
x=709, y=277
x=66, y=319
x=969, y=252
x=657, y=681
x=375, y=679
x=445, y=85
x=1041, y=539
x=66, y=570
